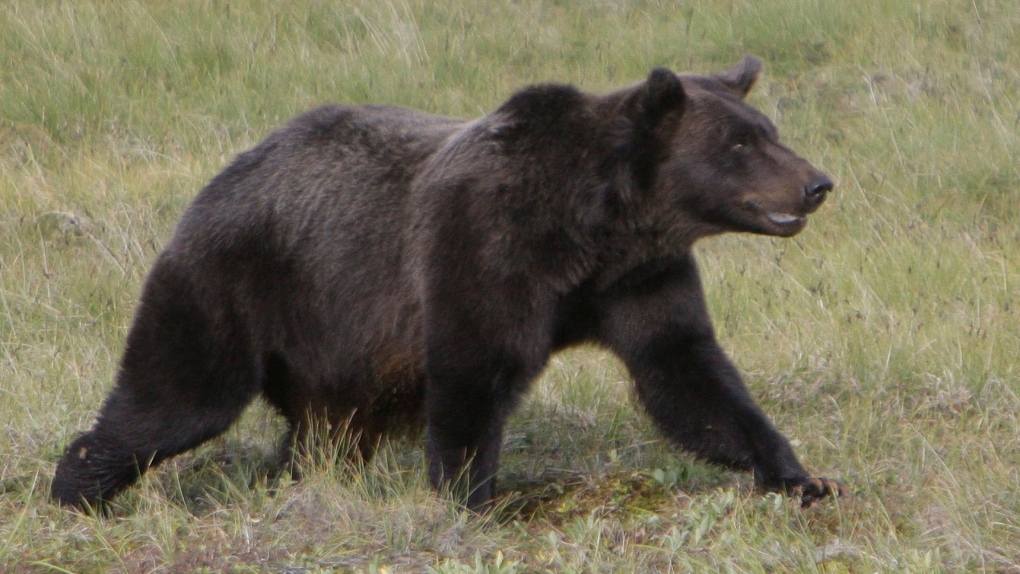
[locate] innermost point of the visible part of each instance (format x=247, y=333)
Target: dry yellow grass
x=883, y=340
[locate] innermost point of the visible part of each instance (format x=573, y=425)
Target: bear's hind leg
x=317, y=439
x=185, y=377
x=321, y=426
x=114, y=454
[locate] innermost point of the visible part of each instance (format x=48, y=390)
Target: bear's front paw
x=812, y=489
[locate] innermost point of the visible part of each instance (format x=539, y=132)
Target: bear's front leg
x=660, y=327
x=479, y=360
x=470, y=392
x=465, y=430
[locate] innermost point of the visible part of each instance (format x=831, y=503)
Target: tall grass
x=883, y=340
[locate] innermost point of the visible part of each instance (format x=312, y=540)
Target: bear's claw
x=813, y=489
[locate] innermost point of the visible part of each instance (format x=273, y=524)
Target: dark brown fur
x=385, y=267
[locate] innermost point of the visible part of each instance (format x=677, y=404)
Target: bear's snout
x=816, y=191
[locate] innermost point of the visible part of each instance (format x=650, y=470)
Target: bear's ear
x=663, y=94
x=741, y=77
x=640, y=137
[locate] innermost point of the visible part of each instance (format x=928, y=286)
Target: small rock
x=58, y=225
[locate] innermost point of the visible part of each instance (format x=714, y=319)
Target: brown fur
x=387, y=267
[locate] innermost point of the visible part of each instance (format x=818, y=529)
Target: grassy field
x=883, y=340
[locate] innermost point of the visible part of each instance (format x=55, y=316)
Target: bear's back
x=304, y=234
x=326, y=176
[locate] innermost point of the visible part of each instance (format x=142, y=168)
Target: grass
x=883, y=340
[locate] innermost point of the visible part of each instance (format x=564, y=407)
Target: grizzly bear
x=373, y=268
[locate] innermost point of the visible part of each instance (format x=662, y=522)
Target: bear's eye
x=740, y=140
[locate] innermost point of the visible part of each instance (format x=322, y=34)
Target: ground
x=882, y=340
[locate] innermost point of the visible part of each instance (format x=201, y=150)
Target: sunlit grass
x=882, y=340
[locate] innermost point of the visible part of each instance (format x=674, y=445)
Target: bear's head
x=711, y=163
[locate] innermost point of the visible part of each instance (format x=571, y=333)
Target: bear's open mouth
x=784, y=223
x=785, y=219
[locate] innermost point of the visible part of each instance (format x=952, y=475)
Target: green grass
x=883, y=340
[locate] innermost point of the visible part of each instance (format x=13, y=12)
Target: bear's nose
x=816, y=190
